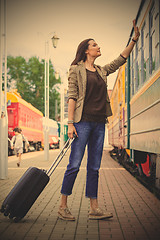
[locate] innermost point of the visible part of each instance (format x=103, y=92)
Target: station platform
x=136, y=211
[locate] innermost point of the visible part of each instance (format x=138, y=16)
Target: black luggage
x=28, y=188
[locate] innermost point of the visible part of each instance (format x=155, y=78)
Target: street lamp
x=55, y=40
x=46, y=89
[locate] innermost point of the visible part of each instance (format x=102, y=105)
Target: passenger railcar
x=134, y=128
x=22, y=114
x=117, y=132
x=53, y=133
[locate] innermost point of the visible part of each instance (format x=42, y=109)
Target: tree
x=17, y=72
x=28, y=78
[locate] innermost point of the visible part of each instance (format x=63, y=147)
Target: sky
x=30, y=23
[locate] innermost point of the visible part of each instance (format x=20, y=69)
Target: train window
x=157, y=34
x=143, y=55
x=11, y=117
x=152, y=49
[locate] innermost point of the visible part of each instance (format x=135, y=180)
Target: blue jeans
x=91, y=134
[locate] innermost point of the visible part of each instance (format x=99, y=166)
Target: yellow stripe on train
x=15, y=97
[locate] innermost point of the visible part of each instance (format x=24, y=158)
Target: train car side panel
x=31, y=124
x=145, y=119
x=22, y=114
x=116, y=129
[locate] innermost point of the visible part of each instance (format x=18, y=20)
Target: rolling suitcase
x=28, y=188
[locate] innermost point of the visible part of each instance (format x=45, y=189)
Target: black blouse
x=94, y=109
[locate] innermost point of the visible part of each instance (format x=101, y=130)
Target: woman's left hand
x=136, y=31
x=130, y=46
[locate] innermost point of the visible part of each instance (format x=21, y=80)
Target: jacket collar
x=83, y=70
x=80, y=63
x=99, y=70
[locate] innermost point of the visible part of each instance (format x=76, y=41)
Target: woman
x=88, y=109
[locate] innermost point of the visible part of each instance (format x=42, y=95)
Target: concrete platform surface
x=136, y=211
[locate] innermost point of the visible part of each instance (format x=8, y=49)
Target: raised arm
x=129, y=48
x=115, y=64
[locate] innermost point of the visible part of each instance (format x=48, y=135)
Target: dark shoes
x=98, y=214
x=18, y=164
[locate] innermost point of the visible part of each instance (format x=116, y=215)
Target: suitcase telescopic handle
x=61, y=155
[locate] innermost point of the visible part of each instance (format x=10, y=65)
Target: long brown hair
x=80, y=54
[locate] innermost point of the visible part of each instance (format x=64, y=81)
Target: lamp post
x=62, y=76
x=62, y=115
x=46, y=89
x=56, y=102
x=3, y=96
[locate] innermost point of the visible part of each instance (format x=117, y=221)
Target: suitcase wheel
x=6, y=213
x=2, y=209
x=6, y=210
x=17, y=219
x=10, y=216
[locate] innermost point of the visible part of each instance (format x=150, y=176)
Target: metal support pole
x=46, y=127
x=62, y=115
x=3, y=96
x=1, y=51
x=46, y=90
x=56, y=109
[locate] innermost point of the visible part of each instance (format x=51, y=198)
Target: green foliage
x=28, y=78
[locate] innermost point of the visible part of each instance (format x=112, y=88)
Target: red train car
x=22, y=114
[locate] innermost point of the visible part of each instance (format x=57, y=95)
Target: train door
x=11, y=121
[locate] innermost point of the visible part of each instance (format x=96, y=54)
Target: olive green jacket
x=77, y=82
